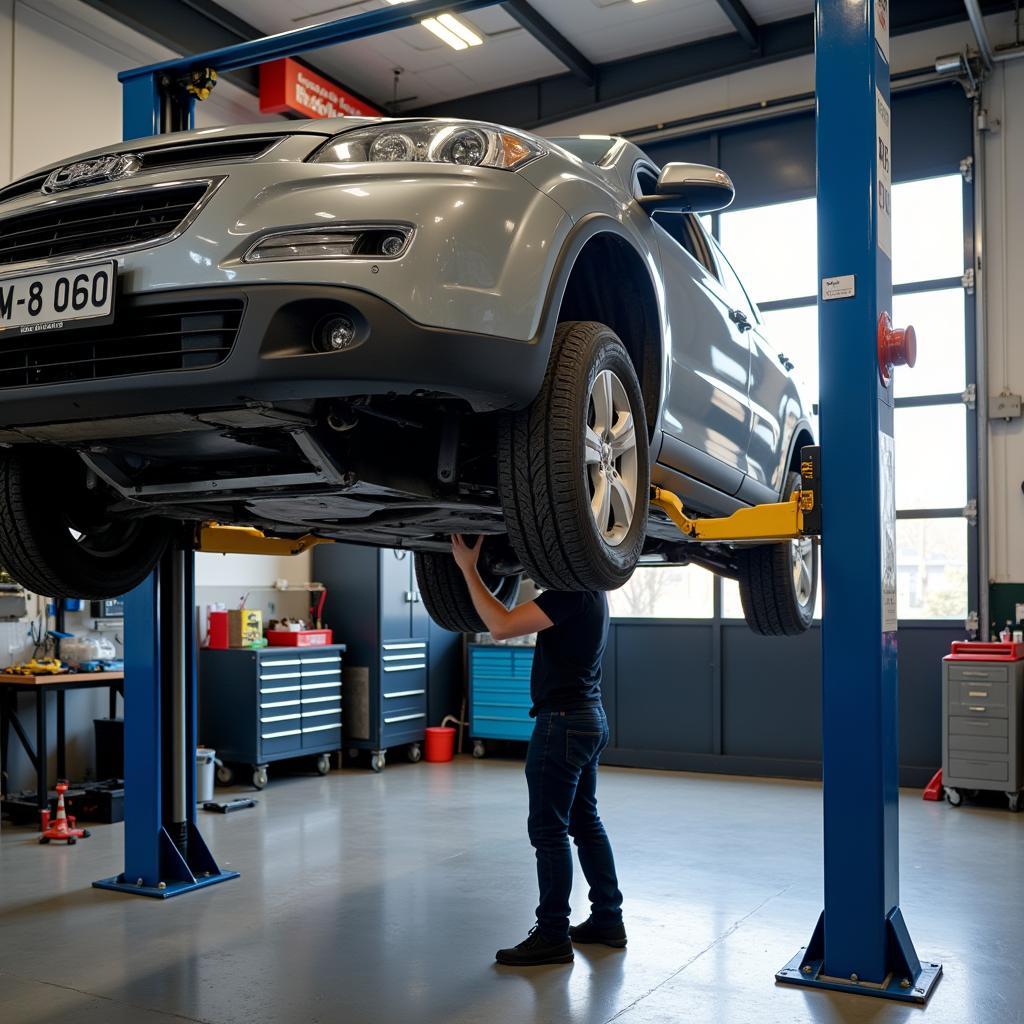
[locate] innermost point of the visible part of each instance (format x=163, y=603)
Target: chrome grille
x=143, y=339
x=97, y=223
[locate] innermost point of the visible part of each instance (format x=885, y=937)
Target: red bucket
x=439, y=744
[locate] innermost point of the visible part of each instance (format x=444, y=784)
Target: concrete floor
x=382, y=897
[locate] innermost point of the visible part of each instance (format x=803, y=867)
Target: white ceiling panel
x=603, y=30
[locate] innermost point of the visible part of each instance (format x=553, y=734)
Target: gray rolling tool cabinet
x=261, y=706
x=981, y=734
x=372, y=601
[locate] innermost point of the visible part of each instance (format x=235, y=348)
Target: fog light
x=338, y=334
x=392, y=245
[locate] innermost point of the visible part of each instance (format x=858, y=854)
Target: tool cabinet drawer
x=991, y=694
x=979, y=726
x=978, y=744
x=975, y=673
x=976, y=709
x=280, y=740
x=989, y=770
x=402, y=702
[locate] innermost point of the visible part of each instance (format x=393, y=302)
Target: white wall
x=1004, y=95
x=59, y=95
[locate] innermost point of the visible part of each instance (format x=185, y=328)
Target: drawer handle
x=977, y=693
x=403, y=718
x=403, y=657
x=322, y=700
x=321, y=661
x=973, y=708
x=321, y=728
x=321, y=686
x=278, y=689
x=280, y=675
x=404, y=668
x=416, y=646
x=278, y=735
x=279, y=718
x=321, y=672
x=279, y=704
x=404, y=693
x=278, y=664
x=320, y=714
x=968, y=674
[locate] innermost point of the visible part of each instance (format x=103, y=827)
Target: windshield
x=591, y=148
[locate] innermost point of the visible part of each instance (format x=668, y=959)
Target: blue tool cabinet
x=499, y=694
x=261, y=706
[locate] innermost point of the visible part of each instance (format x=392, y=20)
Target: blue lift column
x=861, y=943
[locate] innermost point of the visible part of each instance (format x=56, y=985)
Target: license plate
x=55, y=299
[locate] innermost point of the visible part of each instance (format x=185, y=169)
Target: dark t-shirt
x=567, y=661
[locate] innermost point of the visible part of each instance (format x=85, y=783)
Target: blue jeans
x=561, y=771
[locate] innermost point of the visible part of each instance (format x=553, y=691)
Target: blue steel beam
x=861, y=943
x=302, y=40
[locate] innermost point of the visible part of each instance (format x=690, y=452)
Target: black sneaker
x=609, y=935
x=535, y=950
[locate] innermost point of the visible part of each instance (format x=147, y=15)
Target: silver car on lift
x=386, y=331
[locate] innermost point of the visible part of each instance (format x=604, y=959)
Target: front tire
x=779, y=582
x=446, y=597
x=573, y=468
x=55, y=538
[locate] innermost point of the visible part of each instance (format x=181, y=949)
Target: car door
x=707, y=407
x=769, y=392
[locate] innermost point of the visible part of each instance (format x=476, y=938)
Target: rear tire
x=446, y=596
x=779, y=582
x=44, y=503
x=583, y=438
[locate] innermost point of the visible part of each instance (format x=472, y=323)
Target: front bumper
x=273, y=360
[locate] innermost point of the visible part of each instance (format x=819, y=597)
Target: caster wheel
x=86, y=833
x=259, y=778
x=225, y=775
x=479, y=749
x=954, y=797
x=1014, y=799
x=377, y=761
x=323, y=764
x=43, y=840
x=415, y=753
x=72, y=840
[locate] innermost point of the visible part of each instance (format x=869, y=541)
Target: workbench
x=11, y=685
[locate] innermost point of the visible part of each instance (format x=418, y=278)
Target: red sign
x=285, y=85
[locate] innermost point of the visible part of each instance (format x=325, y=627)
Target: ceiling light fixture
x=457, y=34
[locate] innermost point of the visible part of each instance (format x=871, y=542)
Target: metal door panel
x=395, y=607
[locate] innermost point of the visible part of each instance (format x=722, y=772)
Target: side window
x=735, y=286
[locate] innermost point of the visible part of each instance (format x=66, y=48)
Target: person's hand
x=464, y=555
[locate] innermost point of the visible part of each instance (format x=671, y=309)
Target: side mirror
x=691, y=188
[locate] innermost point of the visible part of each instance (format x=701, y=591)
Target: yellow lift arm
x=785, y=520
x=247, y=540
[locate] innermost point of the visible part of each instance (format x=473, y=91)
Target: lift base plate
x=808, y=973
x=119, y=884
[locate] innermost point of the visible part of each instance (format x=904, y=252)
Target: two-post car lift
x=860, y=943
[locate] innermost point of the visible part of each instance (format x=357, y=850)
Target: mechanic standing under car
x=561, y=762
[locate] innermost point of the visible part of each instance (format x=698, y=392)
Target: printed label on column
x=887, y=509
x=883, y=184
x=882, y=27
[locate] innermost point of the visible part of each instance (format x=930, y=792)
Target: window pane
x=794, y=332
x=938, y=318
x=732, y=607
x=774, y=249
x=672, y=592
x=931, y=563
x=927, y=229
x=931, y=457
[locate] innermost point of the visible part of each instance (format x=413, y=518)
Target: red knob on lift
x=897, y=346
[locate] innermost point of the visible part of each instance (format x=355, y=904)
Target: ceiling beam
x=195, y=26
x=543, y=101
x=744, y=24
x=551, y=39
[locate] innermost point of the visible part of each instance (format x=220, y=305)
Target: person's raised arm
x=501, y=622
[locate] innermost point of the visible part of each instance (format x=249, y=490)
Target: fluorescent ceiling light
x=457, y=34
x=463, y=31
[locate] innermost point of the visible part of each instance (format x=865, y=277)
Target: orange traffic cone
x=60, y=829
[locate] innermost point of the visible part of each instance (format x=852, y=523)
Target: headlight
x=471, y=145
